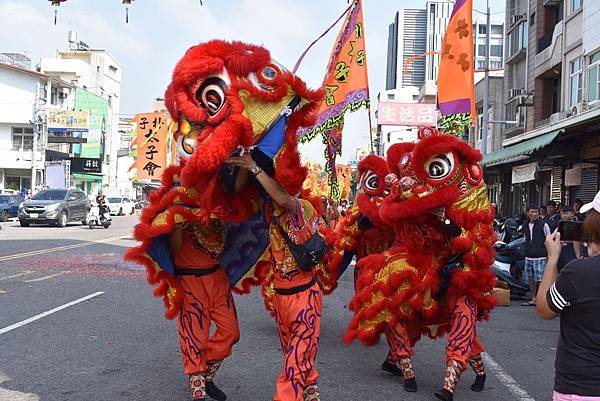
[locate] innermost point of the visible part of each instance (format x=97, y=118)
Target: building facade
x=98, y=75
x=552, y=94
x=26, y=99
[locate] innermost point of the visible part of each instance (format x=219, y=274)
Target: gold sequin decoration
x=475, y=200
x=262, y=113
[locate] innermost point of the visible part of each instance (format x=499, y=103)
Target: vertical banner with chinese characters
x=346, y=89
x=456, y=86
x=151, y=145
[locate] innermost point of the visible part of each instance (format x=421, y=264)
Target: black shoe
x=391, y=368
x=444, y=395
x=479, y=383
x=410, y=385
x=214, y=392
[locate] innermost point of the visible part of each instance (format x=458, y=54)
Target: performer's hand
x=246, y=162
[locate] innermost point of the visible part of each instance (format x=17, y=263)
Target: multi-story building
x=413, y=33
x=552, y=89
x=407, y=38
x=496, y=46
x=26, y=99
x=98, y=74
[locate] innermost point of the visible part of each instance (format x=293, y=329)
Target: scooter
x=509, y=264
x=99, y=216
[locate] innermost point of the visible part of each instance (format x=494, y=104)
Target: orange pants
x=298, y=319
x=462, y=339
x=206, y=299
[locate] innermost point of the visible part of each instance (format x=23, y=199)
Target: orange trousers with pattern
x=206, y=299
x=462, y=338
x=298, y=318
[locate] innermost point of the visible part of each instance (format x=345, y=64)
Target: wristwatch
x=255, y=170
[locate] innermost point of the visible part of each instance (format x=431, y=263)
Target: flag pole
x=370, y=126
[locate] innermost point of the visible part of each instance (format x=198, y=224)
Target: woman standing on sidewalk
x=574, y=294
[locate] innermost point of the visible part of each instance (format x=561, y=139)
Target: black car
x=55, y=207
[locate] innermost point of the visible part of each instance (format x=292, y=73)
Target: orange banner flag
x=151, y=145
x=456, y=86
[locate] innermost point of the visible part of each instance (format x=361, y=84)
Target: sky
x=160, y=31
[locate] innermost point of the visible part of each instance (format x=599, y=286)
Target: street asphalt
x=117, y=345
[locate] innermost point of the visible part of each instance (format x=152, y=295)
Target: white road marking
x=51, y=311
x=33, y=280
x=60, y=248
x=3, y=292
x=506, y=379
x=23, y=273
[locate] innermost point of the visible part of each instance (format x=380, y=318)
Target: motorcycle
x=99, y=216
x=510, y=262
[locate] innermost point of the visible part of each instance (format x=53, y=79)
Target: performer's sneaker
x=391, y=368
x=214, y=392
x=479, y=383
x=444, y=395
x=410, y=385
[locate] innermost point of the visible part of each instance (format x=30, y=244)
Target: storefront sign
x=524, y=173
x=65, y=139
x=67, y=121
x=413, y=114
x=151, y=145
x=86, y=165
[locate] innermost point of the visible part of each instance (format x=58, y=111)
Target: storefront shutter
x=589, y=185
x=556, y=184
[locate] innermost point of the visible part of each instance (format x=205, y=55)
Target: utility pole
x=486, y=86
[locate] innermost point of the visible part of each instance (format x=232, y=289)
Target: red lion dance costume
x=436, y=279
x=225, y=98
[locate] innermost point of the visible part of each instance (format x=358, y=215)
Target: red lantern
x=56, y=3
x=127, y=3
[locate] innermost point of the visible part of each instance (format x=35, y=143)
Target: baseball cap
x=567, y=209
x=595, y=204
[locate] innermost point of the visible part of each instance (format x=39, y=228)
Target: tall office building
x=414, y=32
x=407, y=38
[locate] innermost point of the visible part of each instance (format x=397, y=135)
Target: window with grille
x=22, y=138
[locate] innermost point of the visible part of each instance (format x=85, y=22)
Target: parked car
x=120, y=206
x=55, y=207
x=9, y=206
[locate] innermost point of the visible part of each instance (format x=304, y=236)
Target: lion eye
x=211, y=95
x=440, y=166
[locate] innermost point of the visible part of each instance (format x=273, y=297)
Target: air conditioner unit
x=578, y=108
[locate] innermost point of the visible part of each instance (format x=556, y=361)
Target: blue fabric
x=160, y=251
x=273, y=140
x=245, y=244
